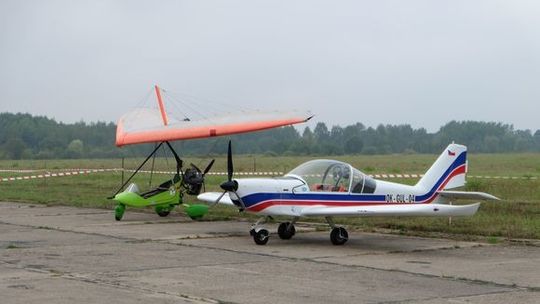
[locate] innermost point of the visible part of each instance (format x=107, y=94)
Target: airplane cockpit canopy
x=333, y=176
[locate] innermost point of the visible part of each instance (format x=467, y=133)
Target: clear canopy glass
x=333, y=176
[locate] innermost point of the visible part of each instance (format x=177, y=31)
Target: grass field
x=517, y=215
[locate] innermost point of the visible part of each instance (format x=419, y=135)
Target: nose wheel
x=261, y=236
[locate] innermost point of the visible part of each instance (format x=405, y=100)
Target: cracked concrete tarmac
x=67, y=255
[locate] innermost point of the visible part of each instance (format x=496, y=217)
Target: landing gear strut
x=338, y=235
x=260, y=235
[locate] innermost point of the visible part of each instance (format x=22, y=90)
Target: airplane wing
x=467, y=195
x=147, y=125
x=211, y=197
x=394, y=210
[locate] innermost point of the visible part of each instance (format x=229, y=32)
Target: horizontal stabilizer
x=211, y=197
x=467, y=195
x=394, y=210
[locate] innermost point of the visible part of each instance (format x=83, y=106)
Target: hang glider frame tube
x=179, y=164
x=161, y=106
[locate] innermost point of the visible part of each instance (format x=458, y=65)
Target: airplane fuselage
x=289, y=196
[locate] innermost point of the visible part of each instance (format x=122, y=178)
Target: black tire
x=284, y=233
x=261, y=237
x=163, y=213
x=339, y=236
x=163, y=210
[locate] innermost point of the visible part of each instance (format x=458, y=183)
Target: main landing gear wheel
x=119, y=211
x=163, y=213
x=261, y=237
x=339, y=236
x=286, y=231
x=162, y=210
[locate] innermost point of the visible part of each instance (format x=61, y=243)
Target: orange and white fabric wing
x=146, y=125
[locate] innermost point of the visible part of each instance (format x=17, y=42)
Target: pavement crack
x=74, y=231
x=447, y=297
x=180, y=267
x=110, y=283
x=316, y=261
x=117, y=284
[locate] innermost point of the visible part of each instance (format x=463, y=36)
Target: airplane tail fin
x=448, y=171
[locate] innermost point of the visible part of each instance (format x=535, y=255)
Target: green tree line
x=23, y=136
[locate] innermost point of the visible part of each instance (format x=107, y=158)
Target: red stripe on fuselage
x=269, y=203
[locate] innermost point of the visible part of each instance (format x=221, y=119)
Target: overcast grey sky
x=418, y=62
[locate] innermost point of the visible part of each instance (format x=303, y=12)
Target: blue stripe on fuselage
x=255, y=198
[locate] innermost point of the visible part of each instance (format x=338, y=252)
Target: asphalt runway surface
x=74, y=255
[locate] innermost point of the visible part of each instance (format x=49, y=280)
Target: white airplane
x=330, y=188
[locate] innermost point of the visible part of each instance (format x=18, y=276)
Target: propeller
x=194, y=178
x=230, y=185
x=208, y=167
x=203, y=173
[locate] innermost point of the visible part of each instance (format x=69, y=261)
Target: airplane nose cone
x=229, y=185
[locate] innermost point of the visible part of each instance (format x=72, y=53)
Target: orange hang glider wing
x=155, y=125
x=136, y=129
